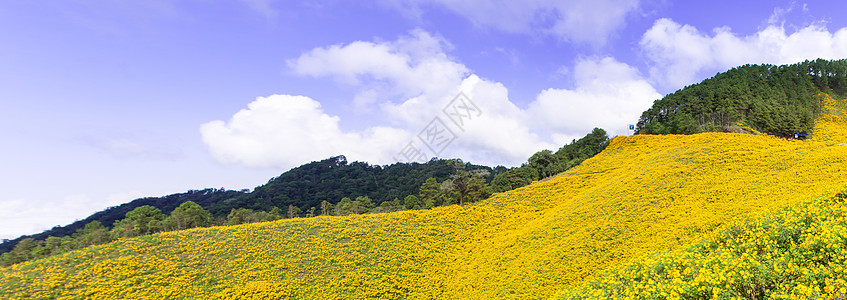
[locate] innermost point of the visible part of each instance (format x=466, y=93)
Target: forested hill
x=778, y=100
x=334, y=178
x=304, y=187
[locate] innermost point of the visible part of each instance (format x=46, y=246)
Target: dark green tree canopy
x=145, y=219
x=188, y=215
x=335, y=178
x=778, y=100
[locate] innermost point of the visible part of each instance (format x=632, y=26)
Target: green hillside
x=334, y=178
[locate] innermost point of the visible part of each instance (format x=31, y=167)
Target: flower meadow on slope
x=643, y=196
x=800, y=253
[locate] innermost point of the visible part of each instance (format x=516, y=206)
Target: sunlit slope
x=794, y=252
x=643, y=195
x=799, y=252
x=831, y=126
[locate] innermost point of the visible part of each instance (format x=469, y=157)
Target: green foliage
x=59, y=244
x=412, y=202
x=245, y=215
x=334, y=178
x=778, y=100
x=145, y=220
x=240, y=216
x=584, y=148
x=326, y=208
x=294, y=212
x=93, y=233
x=514, y=178
x=21, y=252
x=344, y=207
x=430, y=193
x=188, y=215
x=469, y=186
x=363, y=204
x=545, y=163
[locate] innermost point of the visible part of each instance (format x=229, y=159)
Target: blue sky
x=107, y=101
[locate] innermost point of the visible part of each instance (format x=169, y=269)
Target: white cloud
x=501, y=134
x=680, y=54
x=403, y=68
x=285, y=131
x=583, y=21
x=608, y=94
x=417, y=68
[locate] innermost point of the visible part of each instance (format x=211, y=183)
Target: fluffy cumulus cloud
x=681, y=54
x=285, y=131
x=485, y=127
x=499, y=133
x=582, y=21
x=608, y=94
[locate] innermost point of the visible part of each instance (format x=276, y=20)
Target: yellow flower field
x=641, y=197
x=799, y=253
